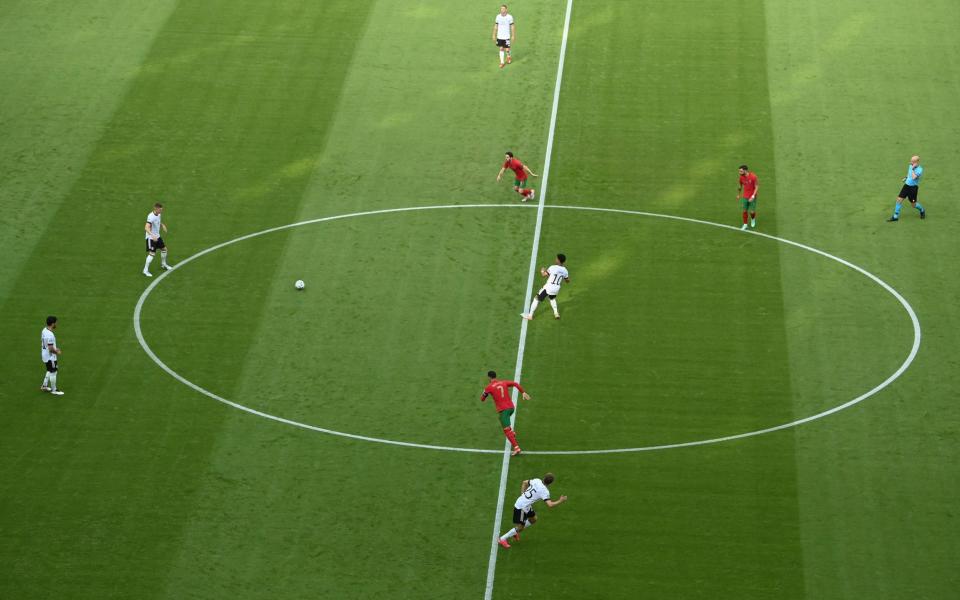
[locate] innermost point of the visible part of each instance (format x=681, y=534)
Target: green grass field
x=244, y=116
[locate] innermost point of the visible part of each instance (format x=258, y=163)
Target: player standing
x=747, y=194
x=555, y=274
x=504, y=32
x=911, y=185
x=531, y=490
x=520, y=172
x=498, y=388
x=153, y=229
x=48, y=354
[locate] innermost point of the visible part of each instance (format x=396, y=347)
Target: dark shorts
x=503, y=43
x=153, y=246
x=51, y=366
x=542, y=295
x=519, y=516
x=909, y=192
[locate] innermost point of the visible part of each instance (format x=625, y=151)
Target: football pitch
x=769, y=413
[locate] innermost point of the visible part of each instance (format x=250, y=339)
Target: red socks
x=744, y=217
x=753, y=215
x=511, y=436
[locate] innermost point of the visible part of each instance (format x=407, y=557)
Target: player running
x=504, y=32
x=531, y=490
x=555, y=274
x=153, y=229
x=911, y=186
x=498, y=388
x=520, y=171
x=49, y=351
x=747, y=194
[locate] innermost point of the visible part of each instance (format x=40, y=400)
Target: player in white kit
x=48, y=354
x=153, y=228
x=504, y=31
x=531, y=492
x=555, y=274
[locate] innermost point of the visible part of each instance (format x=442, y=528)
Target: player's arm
x=163, y=226
x=551, y=503
x=756, y=188
x=494, y=31
x=483, y=395
x=529, y=172
x=513, y=32
x=500, y=174
x=147, y=228
x=523, y=393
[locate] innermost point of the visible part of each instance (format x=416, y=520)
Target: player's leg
x=752, y=207
x=904, y=192
x=150, y=253
x=500, y=47
x=509, y=58
x=743, y=209
x=915, y=203
x=52, y=371
x=533, y=305
x=508, y=432
x=45, y=386
x=518, y=519
x=553, y=305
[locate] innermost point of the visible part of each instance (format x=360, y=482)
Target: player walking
x=153, y=229
x=911, y=185
x=498, y=388
x=48, y=354
x=504, y=32
x=747, y=194
x=555, y=274
x=520, y=172
x=531, y=491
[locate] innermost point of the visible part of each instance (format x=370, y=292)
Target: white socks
x=146, y=266
x=533, y=305
x=53, y=380
x=501, y=57
x=526, y=525
x=163, y=257
x=46, y=380
x=553, y=305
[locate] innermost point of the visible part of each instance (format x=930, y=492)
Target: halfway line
x=505, y=468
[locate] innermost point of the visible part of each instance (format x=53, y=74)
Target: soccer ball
x=299, y=284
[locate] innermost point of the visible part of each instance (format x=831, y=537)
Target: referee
x=911, y=185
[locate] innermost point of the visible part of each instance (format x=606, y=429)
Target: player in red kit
x=520, y=171
x=499, y=389
x=747, y=194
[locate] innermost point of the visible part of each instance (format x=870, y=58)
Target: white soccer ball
x=299, y=284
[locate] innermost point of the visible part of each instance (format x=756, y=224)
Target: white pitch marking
x=505, y=467
x=903, y=367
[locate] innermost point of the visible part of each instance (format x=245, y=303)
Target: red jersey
x=517, y=167
x=501, y=396
x=749, y=184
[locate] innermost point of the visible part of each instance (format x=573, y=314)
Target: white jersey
x=536, y=490
x=48, y=341
x=556, y=274
x=503, y=26
x=154, y=220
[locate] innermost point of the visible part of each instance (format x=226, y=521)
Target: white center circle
x=886, y=382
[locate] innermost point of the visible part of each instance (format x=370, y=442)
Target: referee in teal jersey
x=911, y=185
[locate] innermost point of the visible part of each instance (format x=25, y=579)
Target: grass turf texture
x=241, y=116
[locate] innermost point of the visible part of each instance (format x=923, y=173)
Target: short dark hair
x=562, y=257
x=510, y=154
x=744, y=167
x=548, y=479
x=492, y=374
x=51, y=320
x=157, y=205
